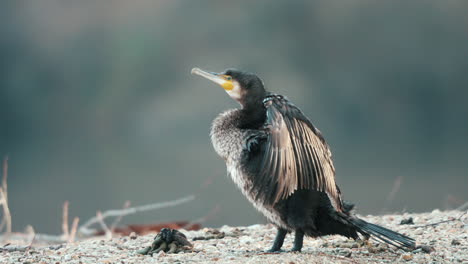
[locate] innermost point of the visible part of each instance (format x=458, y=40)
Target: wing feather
x=296, y=155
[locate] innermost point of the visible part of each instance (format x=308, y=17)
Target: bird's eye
x=228, y=78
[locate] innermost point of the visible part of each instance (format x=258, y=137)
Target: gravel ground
x=447, y=243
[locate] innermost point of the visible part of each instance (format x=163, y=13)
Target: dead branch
x=87, y=231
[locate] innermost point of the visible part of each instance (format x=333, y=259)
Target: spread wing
x=295, y=155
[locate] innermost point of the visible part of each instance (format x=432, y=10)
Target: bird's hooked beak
x=224, y=81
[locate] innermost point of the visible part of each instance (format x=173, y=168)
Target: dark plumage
x=283, y=165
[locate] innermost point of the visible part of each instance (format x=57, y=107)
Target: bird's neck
x=252, y=116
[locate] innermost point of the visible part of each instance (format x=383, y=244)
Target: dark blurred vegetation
x=97, y=105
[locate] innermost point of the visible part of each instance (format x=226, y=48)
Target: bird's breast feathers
x=241, y=179
x=225, y=136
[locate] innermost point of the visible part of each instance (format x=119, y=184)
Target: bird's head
x=246, y=88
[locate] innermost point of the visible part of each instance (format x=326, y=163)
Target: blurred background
x=97, y=105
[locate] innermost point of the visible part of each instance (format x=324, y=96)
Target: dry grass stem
x=205, y=218
x=6, y=221
x=73, y=230
x=2, y=202
x=66, y=234
x=103, y=225
x=462, y=207
x=396, y=187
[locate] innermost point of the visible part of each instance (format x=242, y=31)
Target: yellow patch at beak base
x=227, y=85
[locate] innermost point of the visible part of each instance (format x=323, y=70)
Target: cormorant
x=283, y=165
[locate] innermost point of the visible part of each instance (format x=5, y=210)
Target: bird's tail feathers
x=382, y=234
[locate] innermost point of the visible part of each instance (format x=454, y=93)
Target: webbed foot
x=294, y=249
x=278, y=243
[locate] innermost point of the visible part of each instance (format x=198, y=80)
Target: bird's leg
x=162, y=247
x=156, y=243
x=298, y=238
x=144, y=251
x=279, y=239
x=172, y=248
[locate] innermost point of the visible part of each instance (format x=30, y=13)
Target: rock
x=343, y=252
x=407, y=257
x=455, y=242
x=407, y=221
x=425, y=248
x=133, y=235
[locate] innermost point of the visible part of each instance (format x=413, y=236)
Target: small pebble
x=56, y=247
x=133, y=235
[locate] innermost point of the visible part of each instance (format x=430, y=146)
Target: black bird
x=283, y=165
